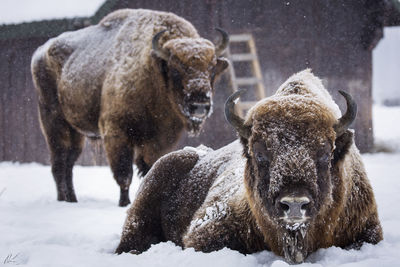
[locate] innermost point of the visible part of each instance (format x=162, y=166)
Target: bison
x=294, y=183
x=136, y=80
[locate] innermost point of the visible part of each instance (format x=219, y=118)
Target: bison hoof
x=60, y=198
x=72, y=199
x=124, y=202
x=124, y=198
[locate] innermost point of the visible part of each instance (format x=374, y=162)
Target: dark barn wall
x=334, y=38
x=20, y=139
x=20, y=136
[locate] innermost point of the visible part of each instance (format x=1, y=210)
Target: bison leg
x=65, y=145
x=145, y=223
x=371, y=233
x=142, y=166
x=120, y=157
x=147, y=154
x=142, y=227
x=64, y=142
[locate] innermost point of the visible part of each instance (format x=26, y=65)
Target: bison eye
x=176, y=79
x=260, y=152
x=175, y=74
x=261, y=158
x=325, y=157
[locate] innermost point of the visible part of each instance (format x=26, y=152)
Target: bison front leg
x=148, y=153
x=145, y=223
x=142, y=227
x=120, y=157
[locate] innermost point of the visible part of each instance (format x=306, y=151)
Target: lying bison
x=137, y=80
x=296, y=183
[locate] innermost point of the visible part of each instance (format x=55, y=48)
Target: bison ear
x=342, y=145
x=245, y=144
x=222, y=64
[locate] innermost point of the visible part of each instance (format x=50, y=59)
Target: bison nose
x=200, y=109
x=294, y=208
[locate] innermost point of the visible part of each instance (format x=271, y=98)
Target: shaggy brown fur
x=214, y=199
x=105, y=81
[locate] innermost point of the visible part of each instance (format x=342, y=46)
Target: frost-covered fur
x=105, y=81
x=230, y=197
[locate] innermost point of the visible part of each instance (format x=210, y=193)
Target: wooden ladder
x=256, y=77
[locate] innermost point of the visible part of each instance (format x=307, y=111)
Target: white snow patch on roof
x=19, y=11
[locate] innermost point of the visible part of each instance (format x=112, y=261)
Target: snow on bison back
x=294, y=184
x=136, y=80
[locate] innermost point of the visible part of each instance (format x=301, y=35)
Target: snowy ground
x=36, y=230
x=387, y=128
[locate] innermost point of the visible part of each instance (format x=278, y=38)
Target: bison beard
x=294, y=243
x=294, y=184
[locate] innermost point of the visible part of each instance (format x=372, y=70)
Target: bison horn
x=156, y=46
x=220, y=48
x=233, y=119
x=351, y=112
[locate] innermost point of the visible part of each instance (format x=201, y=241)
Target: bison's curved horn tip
x=236, y=95
x=350, y=115
x=156, y=46
x=232, y=118
x=220, y=48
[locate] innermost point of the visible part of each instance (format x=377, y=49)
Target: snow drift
x=36, y=230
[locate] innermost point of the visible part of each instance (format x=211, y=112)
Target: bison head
x=293, y=145
x=189, y=67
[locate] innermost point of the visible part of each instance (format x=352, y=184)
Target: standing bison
x=137, y=80
x=296, y=183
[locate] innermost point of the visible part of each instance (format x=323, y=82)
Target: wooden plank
x=244, y=37
x=256, y=79
x=35, y=149
x=232, y=73
x=18, y=121
x=247, y=104
x=257, y=70
x=11, y=121
x=3, y=78
x=243, y=107
x=243, y=57
x=247, y=81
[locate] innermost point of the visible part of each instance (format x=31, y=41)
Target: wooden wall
x=21, y=139
x=327, y=36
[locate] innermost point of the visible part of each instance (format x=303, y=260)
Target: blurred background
x=350, y=45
